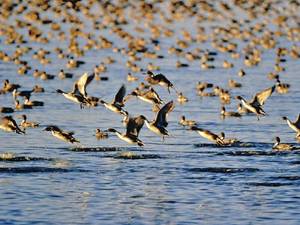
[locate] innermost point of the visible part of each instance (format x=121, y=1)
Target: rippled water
x=183, y=180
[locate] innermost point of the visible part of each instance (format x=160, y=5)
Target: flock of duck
x=155, y=19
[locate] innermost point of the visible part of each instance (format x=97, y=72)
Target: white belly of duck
x=153, y=128
x=71, y=97
x=125, y=138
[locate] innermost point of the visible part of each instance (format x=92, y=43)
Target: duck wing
x=134, y=126
x=83, y=82
x=297, y=123
x=161, y=118
x=152, y=94
x=119, y=96
x=261, y=97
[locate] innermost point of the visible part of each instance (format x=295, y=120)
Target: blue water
x=181, y=180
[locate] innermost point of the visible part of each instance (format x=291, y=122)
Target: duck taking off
x=117, y=104
x=133, y=127
x=208, y=135
x=62, y=135
x=255, y=105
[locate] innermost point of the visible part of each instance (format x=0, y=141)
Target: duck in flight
x=159, y=79
x=255, y=105
x=8, y=124
x=149, y=96
x=62, y=135
x=78, y=94
x=117, y=104
x=293, y=125
x=133, y=127
x=160, y=123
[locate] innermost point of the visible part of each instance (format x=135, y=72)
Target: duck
x=208, y=135
x=281, y=88
x=228, y=141
x=133, y=127
x=27, y=94
x=63, y=75
x=159, y=79
x=224, y=113
x=25, y=124
x=282, y=147
x=149, y=96
x=38, y=89
x=117, y=104
x=28, y=102
x=159, y=124
x=241, y=73
x=293, y=125
x=184, y=122
x=255, y=105
x=234, y=84
x=62, y=135
x=131, y=78
x=80, y=88
x=9, y=87
x=101, y=134
x=181, y=98
x=19, y=106
x=8, y=124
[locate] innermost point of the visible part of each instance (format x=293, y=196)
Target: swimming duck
x=16, y=93
x=255, y=105
x=100, y=134
x=133, y=128
x=234, y=84
x=131, y=78
x=159, y=79
x=282, y=147
x=117, y=104
x=181, y=98
x=28, y=102
x=224, y=113
x=38, y=89
x=293, y=125
x=228, y=141
x=63, y=75
x=184, y=122
x=25, y=124
x=208, y=135
x=62, y=135
x=160, y=123
x=9, y=87
x=281, y=88
x=8, y=124
x=19, y=106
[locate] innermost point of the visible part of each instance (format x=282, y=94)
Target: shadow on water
x=10, y=157
x=95, y=149
x=37, y=169
x=221, y=170
x=237, y=145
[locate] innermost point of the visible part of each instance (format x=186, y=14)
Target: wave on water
x=131, y=155
x=10, y=157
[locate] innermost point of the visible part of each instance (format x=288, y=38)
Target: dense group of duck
x=30, y=27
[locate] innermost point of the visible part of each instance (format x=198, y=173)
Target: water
x=182, y=180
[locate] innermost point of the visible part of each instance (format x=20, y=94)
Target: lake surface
x=181, y=180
